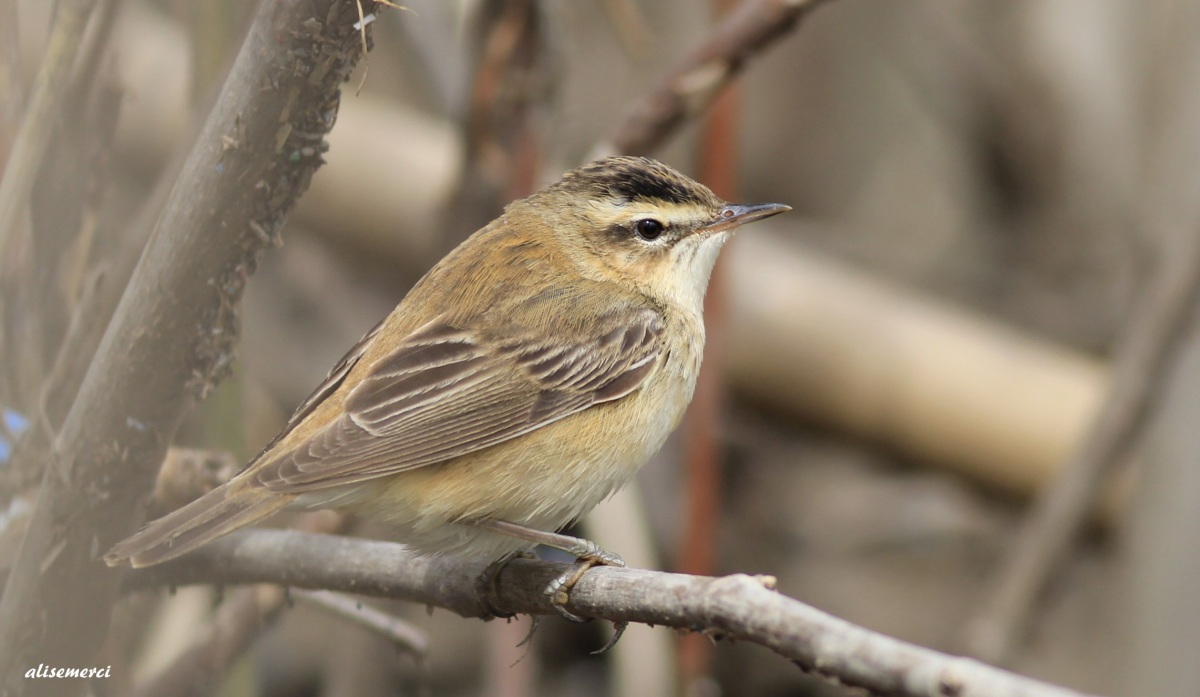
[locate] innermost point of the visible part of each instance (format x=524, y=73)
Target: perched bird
x=522, y=381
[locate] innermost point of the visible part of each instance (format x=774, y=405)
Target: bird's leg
x=587, y=554
x=578, y=547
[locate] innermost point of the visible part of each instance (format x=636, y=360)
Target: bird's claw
x=559, y=591
x=589, y=554
x=589, y=551
x=618, y=631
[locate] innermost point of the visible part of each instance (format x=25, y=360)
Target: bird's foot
x=587, y=554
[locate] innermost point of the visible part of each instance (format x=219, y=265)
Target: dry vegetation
x=952, y=396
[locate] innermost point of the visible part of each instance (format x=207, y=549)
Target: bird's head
x=638, y=221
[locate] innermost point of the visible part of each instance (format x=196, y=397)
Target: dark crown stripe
x=637, y=179
x=634, y=185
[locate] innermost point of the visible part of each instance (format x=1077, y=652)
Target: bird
x=523, y=380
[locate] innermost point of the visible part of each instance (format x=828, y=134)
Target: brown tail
x=220, y=511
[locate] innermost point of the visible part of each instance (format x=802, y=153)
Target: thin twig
x=501, y=149
x=45, y=104
x=1142, y=360
x=95, y=44
x=401, y=634
x=698, y=79
x=629, y=24
x=58, y=388
x=737, y=607
x=11, y=89
x=201, y=667
x=1151, y=340
x=240, y=620
x=66, y=372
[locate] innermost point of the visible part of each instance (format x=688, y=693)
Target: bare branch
x=45, y=105
x=1143, y=356
x=239, y=620
x=698, y=79
x=401, y=634
x=1151, y=340
x=737, y=607
x=11, y=88
x=173, y=332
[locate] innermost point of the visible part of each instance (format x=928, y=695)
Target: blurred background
x=983, y=190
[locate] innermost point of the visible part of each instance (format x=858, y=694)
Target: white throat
x=694, y=258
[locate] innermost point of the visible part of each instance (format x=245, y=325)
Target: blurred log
x=942, y=385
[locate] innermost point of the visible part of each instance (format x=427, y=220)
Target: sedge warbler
x=522, y=381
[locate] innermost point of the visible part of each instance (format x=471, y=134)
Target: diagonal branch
x=49, y=96
x=737, y=607
x=172, y=335
x=1151, y=341
x=201, y=668
x=696, y=81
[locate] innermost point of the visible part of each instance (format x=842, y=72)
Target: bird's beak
x=733, y=215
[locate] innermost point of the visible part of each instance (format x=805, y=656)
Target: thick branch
x=172, y=335
x=737, y=607
x=699, y=78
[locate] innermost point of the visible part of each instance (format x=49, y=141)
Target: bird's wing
x=447, y=391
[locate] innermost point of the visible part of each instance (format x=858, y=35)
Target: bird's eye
x=648, y=228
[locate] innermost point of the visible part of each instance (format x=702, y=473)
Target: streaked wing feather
x=446, y=392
